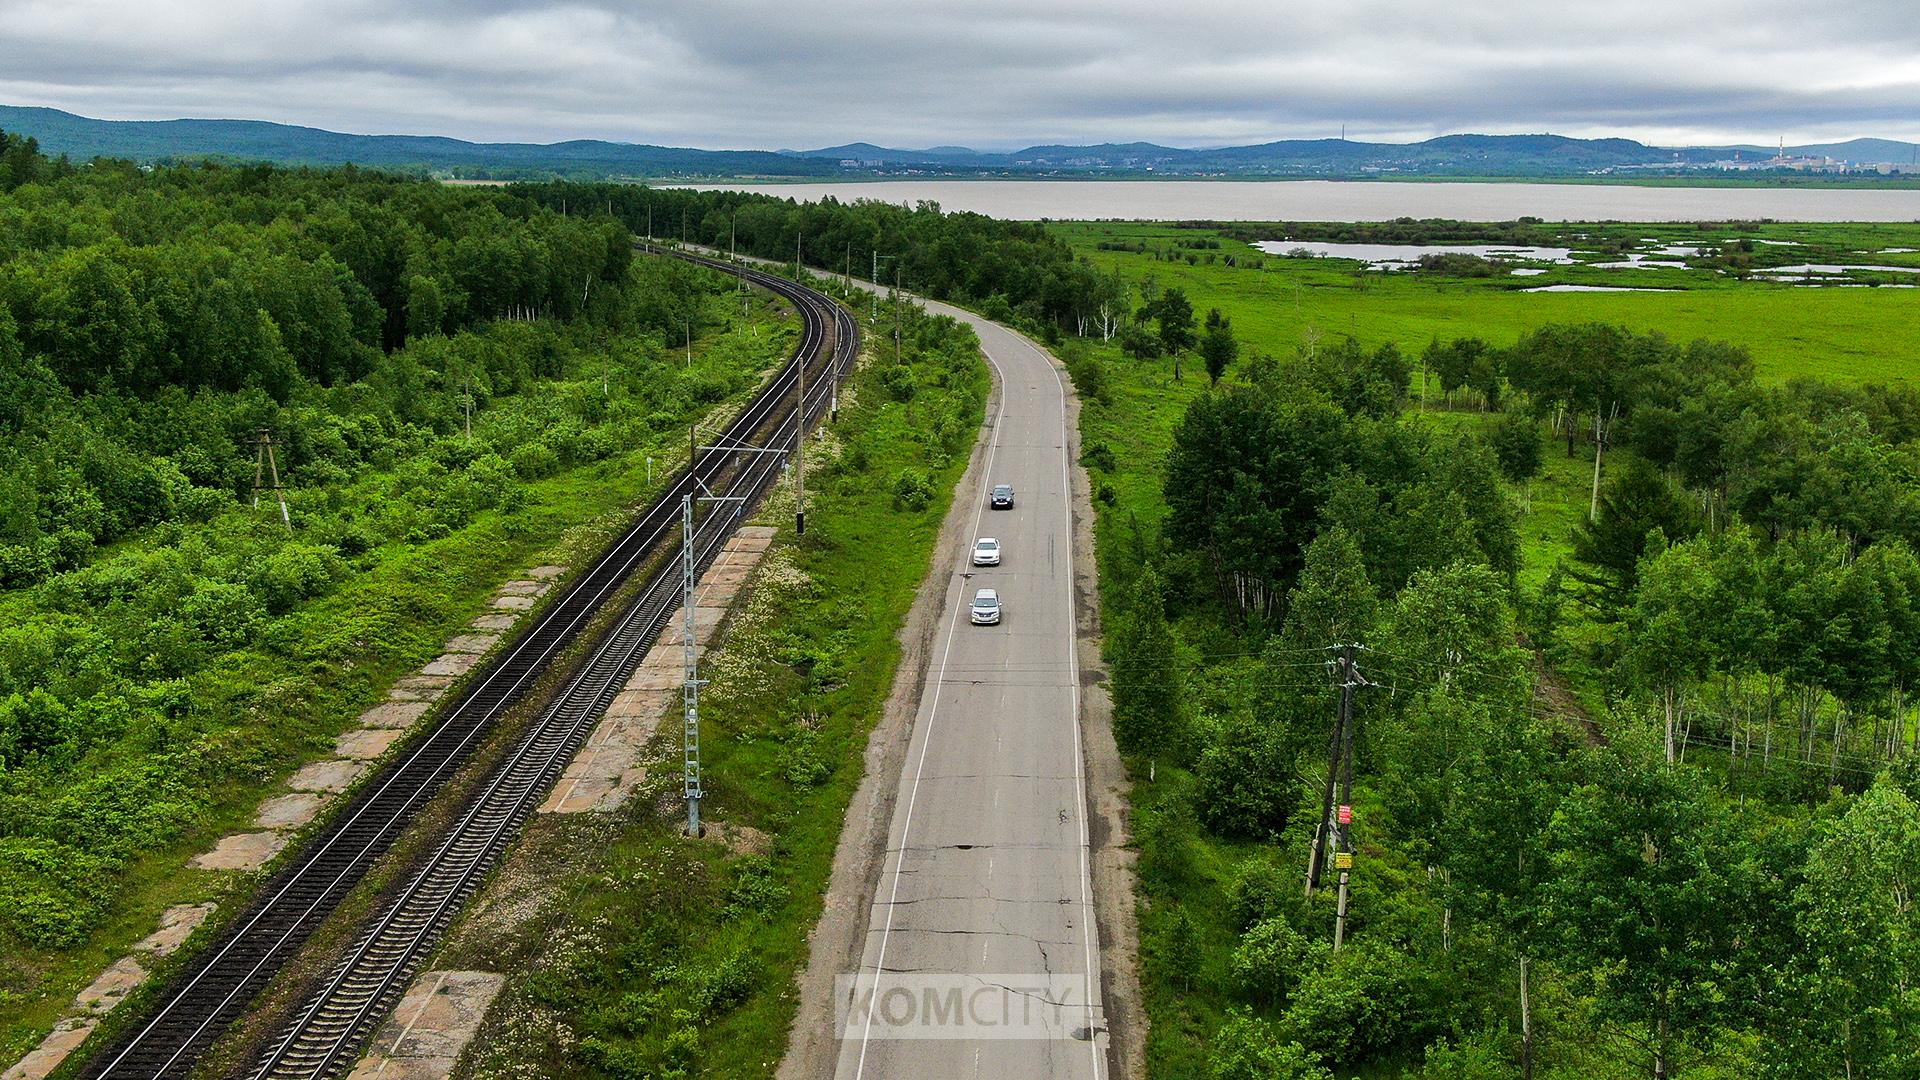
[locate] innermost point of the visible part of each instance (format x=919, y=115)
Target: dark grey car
x=1003, y=496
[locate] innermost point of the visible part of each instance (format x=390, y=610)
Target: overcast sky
x=984, y=73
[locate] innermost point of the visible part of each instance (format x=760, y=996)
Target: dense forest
x=1013, y=271
x=433, y=365
x=1696, y=859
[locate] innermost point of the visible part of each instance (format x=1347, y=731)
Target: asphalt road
x=985, y=886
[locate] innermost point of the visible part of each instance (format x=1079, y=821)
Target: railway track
x=329, y=1028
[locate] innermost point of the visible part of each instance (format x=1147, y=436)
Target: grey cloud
x=757, y=73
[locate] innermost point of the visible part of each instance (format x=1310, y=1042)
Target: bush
x=1265, y=889
x=801, y=762
x=726, y=986
x=1097, y=455
x=912, y=490
x=534, y=461
x=1247, y=1048
x=50, y=893
x=1478, y=1058
x=1246, y=782
x=757, y=888
x=292, y=574
x=1369, y=1003
x=1270, y=961
x=1160, y=834
x=899, y=382
x=1090, y=379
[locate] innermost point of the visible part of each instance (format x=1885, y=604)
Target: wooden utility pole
x=1333, y=832
x=1343, y=814
x=263, y=460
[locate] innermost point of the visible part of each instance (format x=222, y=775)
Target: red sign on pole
x=1346, y=815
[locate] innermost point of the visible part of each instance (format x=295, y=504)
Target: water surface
x=1364, y=200
x=1401, y=256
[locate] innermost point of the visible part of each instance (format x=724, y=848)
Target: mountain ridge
x=1470, y=154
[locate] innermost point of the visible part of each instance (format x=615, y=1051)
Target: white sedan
x=986, y=608
x=986, y=552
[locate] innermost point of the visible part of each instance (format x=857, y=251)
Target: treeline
x=1015, y=271
x=1257, y=471
x=1525, y=232
x=152, y=322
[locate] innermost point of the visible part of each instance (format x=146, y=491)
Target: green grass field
x=1849, y=334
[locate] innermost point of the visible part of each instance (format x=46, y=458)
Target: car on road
x=986, y=552
x=1003, y=496
x=986, y=608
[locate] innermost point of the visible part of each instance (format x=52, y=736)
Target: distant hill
x=1452, y=155
x=1449, y=155
x=256, y=140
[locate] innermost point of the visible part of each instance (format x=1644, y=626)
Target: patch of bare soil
x=1556, y=698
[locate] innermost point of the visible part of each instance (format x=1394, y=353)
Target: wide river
x=1365, y=200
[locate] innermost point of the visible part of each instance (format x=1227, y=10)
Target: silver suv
x=986, y=608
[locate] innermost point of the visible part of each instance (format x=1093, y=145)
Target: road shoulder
x=1108, y=790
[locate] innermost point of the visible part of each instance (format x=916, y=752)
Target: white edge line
x=1088, y=914
x=933, y=710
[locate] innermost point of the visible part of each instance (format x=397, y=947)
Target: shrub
x=1247, y=1048
x=292, y=574
x=899, y=382
x=50, y=893
x=534, y=460
x=1246, y=782
x=1479, y=1058
x=1368, y=1003
x=912, y=490
x=1090, y=379
x=1270, y=961
x=726, y=986
x=1264, y=889
x=1516, y=444
x=757, y=888
x=802, y=764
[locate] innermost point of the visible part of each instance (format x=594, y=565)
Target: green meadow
x=1278, y=304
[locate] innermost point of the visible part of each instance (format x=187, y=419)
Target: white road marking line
x=933, y=710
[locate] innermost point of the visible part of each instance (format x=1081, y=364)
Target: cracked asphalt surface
x=985, y=884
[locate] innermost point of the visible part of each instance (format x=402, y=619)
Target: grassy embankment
x=264, y=707
x=654, y=953
x=1277, y=305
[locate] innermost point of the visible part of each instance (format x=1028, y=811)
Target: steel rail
x=201, y=1002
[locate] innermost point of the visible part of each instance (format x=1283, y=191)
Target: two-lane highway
x=985, y=885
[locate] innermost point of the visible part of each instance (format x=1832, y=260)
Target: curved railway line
x=328, y=1029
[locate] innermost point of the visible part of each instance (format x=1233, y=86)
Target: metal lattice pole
x=691, y=692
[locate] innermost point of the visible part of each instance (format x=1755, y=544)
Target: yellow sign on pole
x=1343, y=860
